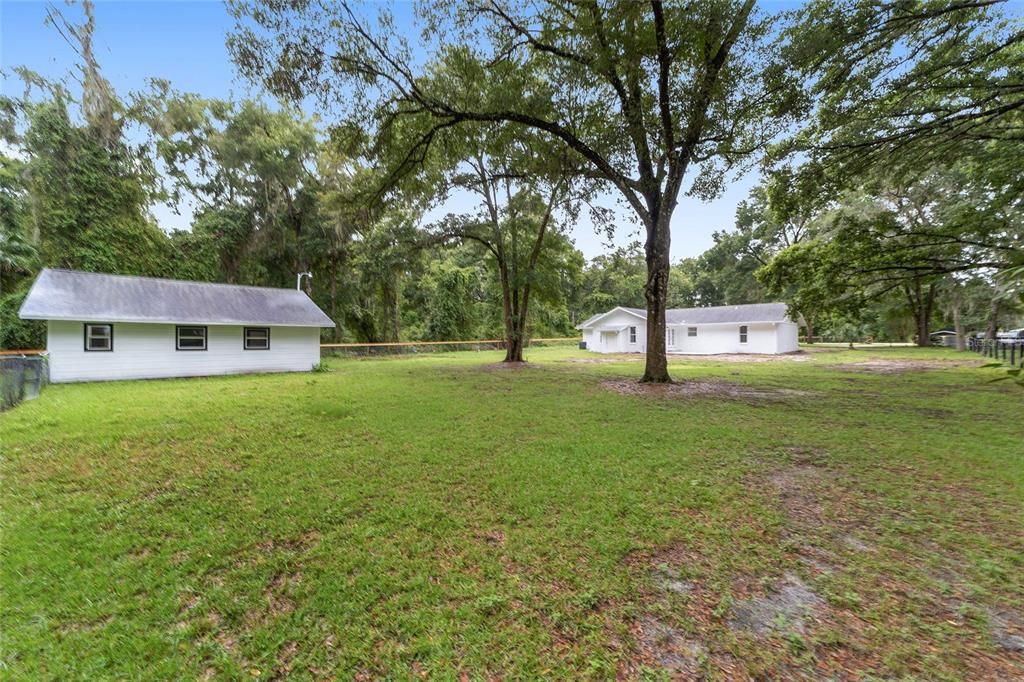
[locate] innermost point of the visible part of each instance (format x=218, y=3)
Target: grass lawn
x=838, y=514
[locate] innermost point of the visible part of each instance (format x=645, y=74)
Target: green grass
x=434, y=516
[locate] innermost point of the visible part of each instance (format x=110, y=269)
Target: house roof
x=593, y=319
x=97, y=297
x=726, y=314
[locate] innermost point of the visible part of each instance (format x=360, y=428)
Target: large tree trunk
x=514, y=348
x=921, y=304
x=336, y=332
x=656, y=292
x=993, y=322
x=515, y=338
x=958, y=326
x=516, y=301
x=394, y=310
x=922, y=332
x=510, y=313
x=924, y=327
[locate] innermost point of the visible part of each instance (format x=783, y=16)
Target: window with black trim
x=743, y=333
x=256, y=338
x=691, y=331
x=190, y=338
x=632, y=334
x=99, y=337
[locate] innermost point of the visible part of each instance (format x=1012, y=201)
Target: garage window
x=191, y=338
x=632, y=334
x=257, y=338
x=743, y=333
x=99, y=337
x=670, y=337
x=691, y=331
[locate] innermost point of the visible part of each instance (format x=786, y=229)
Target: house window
x=99, y=337
x=256, y=338
x=670, y=337
x=632, y=334
x=743, y=333
x=191, y=338
x=691, y=331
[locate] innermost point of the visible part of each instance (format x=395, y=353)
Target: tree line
x=887, y=137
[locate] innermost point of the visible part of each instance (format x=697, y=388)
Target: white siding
x=617, y=341
x=789, y=337
x=764, y=337
x=725, y=338
x=147, y=351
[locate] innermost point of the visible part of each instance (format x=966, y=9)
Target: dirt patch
x=854, y=543
x=680, y=358
x=795, y=356
x=603, y=361
x=285, y=660
x=700, y=619
x=298, y=543
x=492, y=537
x=1007, y=628
x=669, y=648
x=783, y=610
x=509, y=366
x=86, y=626
x=668, y=579
x=796, y=489
x=817, y=559
x=895, y=366
x=709, y=388
x=276, y=596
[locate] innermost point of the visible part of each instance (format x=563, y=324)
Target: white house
x=755, y=328
x=944, y=337
x=101, y=327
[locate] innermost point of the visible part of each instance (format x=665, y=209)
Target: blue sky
x=183, y=41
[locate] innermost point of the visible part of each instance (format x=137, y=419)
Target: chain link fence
x=417, y=347
x=22, y=377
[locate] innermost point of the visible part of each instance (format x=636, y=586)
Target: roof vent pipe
x=299, y=276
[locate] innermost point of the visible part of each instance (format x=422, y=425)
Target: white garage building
x=755, y=328
x=102, y=327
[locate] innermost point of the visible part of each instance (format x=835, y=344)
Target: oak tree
x=656, y=98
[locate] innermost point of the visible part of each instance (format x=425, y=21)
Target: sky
x=183, y=41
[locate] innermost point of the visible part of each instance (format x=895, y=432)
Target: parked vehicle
x=1014, y=336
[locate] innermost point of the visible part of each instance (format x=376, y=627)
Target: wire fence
x=416, y=347
x=22, y=377
x=1009, y=352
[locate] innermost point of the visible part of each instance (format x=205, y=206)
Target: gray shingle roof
x=87, y=296
x=726, y=314
x=589, y=320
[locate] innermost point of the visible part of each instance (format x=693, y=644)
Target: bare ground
x=685, y=633
x=899, y=366
x=497, y=366
x=679, y=358
x=705, y=388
